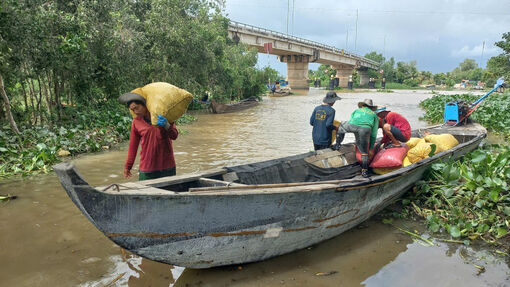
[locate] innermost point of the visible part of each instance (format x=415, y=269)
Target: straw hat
x=129, y=97
x=368, y=103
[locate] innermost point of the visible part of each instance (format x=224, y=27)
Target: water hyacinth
x=468, y=198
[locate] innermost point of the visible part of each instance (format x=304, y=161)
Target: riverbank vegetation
x=64, y=64
x=468, y=199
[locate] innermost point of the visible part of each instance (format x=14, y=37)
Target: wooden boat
x=218, y=108
x=285, y=91
x=249, y=212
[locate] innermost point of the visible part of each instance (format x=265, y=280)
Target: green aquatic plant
x=467, y=198
x=384, y=91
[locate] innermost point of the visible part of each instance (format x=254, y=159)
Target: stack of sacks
x=443, y=141
x=416, y=149
x=164, y=99
x=428, y=146
x=421, y=151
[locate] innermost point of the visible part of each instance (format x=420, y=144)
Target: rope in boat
x=117, y=187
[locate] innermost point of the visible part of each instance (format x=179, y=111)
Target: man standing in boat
x=157, y=155
x=322, y=121
x=364, y=123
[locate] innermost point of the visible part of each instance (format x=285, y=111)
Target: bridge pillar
x=342, y=73
x=297, y=70
x=363, y=77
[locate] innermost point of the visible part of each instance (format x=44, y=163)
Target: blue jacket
x=322, y=122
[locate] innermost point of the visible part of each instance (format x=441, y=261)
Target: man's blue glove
x=163, y=122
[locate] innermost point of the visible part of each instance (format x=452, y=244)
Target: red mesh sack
x=391, y=157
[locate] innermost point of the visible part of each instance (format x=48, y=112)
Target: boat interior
x=323, y=165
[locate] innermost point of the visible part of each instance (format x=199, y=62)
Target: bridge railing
x=235, y=24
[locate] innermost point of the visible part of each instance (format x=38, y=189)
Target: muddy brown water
x=46, y=241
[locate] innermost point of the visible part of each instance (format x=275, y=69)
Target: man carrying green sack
x=156, y=155
x=364, y=124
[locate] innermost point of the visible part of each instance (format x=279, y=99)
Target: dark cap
x=129, y=97
x=330, y=97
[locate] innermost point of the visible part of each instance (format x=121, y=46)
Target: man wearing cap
x=364, y=124
x=157, y=155
x=396, y=128
x=322, y=121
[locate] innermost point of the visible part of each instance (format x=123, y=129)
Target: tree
x=467, y=70
x=57, y=53
x=406, y=73
x=389, y=70
x=468, y=65
x=375, y=57
x=499, y=66
x=7, y=106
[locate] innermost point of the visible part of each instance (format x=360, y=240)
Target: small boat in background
x=219, y=108
x=249, y=212
x=282, y=92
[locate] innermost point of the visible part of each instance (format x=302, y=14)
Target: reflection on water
x=418, y=266
x=135, y=271
x=46, y=241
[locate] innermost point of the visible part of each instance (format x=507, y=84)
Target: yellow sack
x=443, y=141
x=384, y=170
x=333, y=133
x=419, y=152
x=164, y=99
x=406, y=161
x=412, y=142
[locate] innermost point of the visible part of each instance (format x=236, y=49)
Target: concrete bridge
x=298, y=52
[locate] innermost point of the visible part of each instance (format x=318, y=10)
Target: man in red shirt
x=156, y=156
x=396, y=128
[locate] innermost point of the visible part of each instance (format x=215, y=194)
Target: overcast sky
x=437, y=34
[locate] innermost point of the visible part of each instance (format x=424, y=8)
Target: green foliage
x=85, y=52
x=407, y=73
x=499, y=66
x=467, y=198
x=396, y=86
x=467, y=70
x=374, y=56
x=324, y=73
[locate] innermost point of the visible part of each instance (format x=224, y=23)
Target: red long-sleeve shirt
x=397, y=120
x=157, y=152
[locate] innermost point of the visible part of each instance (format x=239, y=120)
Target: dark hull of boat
x=239, y=223
x=218, y=108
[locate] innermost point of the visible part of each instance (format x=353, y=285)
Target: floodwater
x=46, y=241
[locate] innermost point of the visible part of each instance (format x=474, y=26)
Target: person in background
x=156, y=155
x=322, y=121
x=364, y=124
x=273, y=87
x=395, y=127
